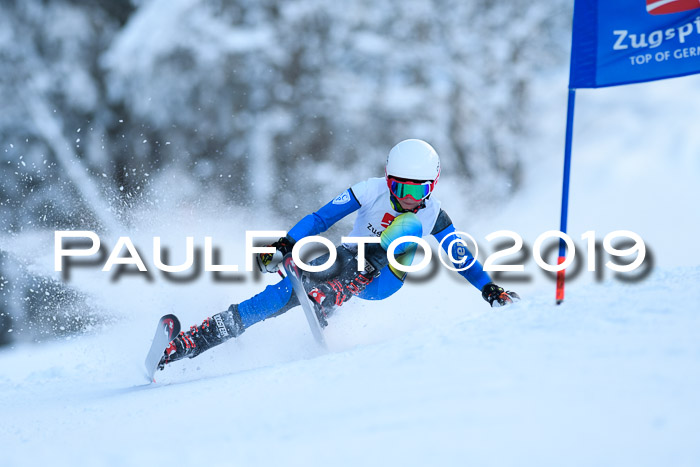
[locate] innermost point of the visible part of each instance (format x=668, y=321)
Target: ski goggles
x=403, y=189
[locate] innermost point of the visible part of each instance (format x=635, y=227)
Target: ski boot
x=212, y=332
x=333, y=293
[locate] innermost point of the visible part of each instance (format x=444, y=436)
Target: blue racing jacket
x=372, y=199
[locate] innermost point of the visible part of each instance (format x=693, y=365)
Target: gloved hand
x=496, y=296
x=270, y=262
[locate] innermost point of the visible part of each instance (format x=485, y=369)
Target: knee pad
x=407, y=224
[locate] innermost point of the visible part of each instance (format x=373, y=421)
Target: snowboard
x=168, y=328
x=294, y=274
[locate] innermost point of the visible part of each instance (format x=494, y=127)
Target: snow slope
x=431, y=375
x=610, y=379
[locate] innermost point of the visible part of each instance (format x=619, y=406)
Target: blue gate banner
x=630, y=41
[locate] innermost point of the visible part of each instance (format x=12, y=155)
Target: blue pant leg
x=268, y=302
x=279, y=298
x=382, y=287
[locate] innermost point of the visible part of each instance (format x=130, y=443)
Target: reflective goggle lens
x=414, y=190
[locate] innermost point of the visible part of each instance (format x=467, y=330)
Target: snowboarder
x=396, y=205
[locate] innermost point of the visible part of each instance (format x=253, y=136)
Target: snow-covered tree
x=265, y=103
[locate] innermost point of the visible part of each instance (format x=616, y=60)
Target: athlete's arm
x=312, y=224
x=321, y=220
x=475, y=274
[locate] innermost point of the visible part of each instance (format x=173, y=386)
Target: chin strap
x=397, y=206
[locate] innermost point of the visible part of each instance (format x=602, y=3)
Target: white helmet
x=413, y=159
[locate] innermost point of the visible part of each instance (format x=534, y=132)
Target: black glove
x=270, y=262
x=496, y=296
